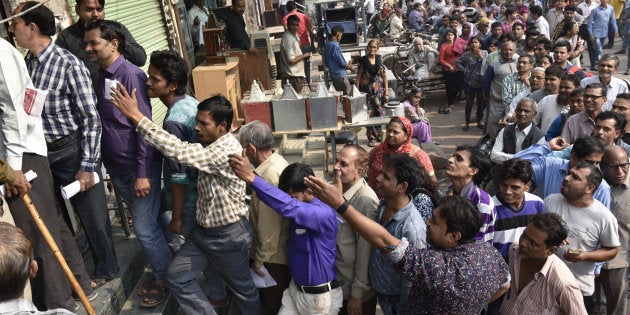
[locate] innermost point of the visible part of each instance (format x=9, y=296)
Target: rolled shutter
x=145, y=21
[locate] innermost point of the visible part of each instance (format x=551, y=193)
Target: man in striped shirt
x=466, y=169
x=514, y=205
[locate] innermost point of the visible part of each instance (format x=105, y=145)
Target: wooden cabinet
x=220, y=79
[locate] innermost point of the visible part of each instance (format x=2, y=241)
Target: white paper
x=262, y=282
x=109, y=84
x=74, y=188
x=34, y=101
x=30, y=175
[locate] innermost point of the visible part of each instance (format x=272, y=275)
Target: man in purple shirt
x=131, y=163
x=415, y=19
x=312, y=238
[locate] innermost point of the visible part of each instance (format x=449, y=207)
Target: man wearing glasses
x=613, y=276
x=606, y=68
x=583, y=123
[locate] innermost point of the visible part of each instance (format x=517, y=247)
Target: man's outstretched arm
x=370, y=230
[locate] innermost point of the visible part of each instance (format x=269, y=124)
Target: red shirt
x=448, y=56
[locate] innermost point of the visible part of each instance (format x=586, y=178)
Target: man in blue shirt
x=549, y=172
x=335, y=62
x=312, y=238
x=601, y=20
x=398, y=215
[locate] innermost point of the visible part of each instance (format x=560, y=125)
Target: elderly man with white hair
x=423, y=57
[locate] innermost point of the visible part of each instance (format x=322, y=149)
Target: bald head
x=614, y=164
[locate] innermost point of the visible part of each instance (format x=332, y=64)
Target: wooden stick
x=55, y=249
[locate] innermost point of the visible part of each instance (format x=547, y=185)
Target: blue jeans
x=145, y=213
x=226, y=248
x=599, y=42
x=307, y=65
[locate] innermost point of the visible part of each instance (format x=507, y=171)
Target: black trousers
x=50, y=287
x=90, y=205
x=453, y=81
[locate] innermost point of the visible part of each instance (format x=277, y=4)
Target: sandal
x=151, y=286
x=97, y=282
x=465, y=128
x=154, y=292
x=160, y=294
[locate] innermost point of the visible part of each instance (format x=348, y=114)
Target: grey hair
x=256, y=133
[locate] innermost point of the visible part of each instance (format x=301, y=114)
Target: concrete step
x=131, y=260
x=132, y=305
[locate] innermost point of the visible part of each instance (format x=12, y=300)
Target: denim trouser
x=599, y=42
x=307, y=65
x=226, y=248
x=145, y=213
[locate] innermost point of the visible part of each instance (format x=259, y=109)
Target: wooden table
x=328, y=134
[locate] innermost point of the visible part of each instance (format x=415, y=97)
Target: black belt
x=61, y=142
x=322, y=288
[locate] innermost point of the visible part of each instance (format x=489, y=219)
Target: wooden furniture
x=254, y=65
x=220, y=79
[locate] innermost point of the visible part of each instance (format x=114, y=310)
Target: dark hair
x=477, y=38
x=516, y=169
x=110, y=30
x=42, y=16
x=397, y=120
x=17, y=253
x=569, y=8
x=220, y=108
x=517, y=23
x=624, y=96
x=413, y=91
x=577, y=91
x=532, y=31
x=407, y=170
x=567, y=27
x=546, y=42
x=336, y=29
x=536, y=10
x=509, y=10
x=505, y=37
x=462, y=216
x=620, y=121
x=101, y=2
x=597, y=86
x=572, y=77
x=478, y=160
x=292, y=178
x=495, y=25
x=172, y=67
x=555, y=71
x=293, y=18
x=529, y=57
x=562, y=44
x=585, y=146
x=595, y=176
x=290, y=5
x=540, y=59
x=552, y=224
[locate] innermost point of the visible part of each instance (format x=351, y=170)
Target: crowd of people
x=523, y=228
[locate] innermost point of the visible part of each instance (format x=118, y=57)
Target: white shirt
x=498, y=156
x=543, y=26
x=588, y=227
x=616, y=87
x=587, y=8
x=548, y=110
x=202, y=14
x=369, y=6
x=19, y=133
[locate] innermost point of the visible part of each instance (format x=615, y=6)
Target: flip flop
x=158, y=295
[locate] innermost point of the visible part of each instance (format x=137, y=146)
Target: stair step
x=131, y=260
x=132, y=305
